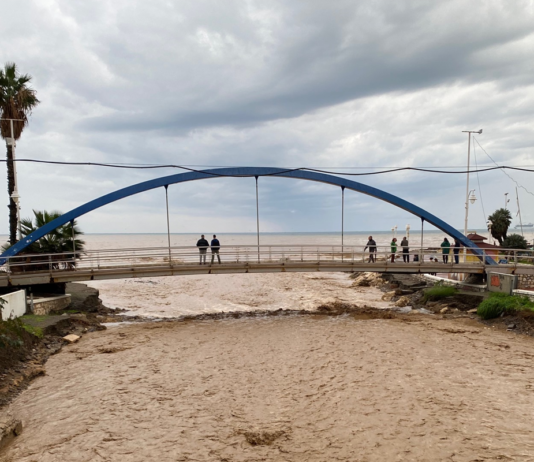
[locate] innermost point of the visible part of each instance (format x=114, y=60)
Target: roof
x=476, y=237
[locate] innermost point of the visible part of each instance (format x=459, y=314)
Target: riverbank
x=356, y=384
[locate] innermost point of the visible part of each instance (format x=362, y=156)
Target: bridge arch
x=240, y=172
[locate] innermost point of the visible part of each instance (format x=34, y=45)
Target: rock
x=403, y=301
x=444, y=310
x=71, y=338
x=474, y=310
x=510, y=326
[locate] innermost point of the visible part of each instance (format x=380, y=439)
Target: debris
x=71, y=338
x=403, y=301
x=444, y=310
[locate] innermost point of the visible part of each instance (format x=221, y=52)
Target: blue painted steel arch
x=239, y=172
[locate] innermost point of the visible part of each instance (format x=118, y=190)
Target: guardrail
x=267, y=254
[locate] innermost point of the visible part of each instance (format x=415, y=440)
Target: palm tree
x=500, y=220
x=17, y=100
x=64, y=239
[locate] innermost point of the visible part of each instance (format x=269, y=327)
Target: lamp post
x=16, y=199
x=408, y=231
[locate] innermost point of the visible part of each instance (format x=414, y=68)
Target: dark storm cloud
x=301, y=83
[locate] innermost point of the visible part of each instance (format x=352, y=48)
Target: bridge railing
x=263, y=254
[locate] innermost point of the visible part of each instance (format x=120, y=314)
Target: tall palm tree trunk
x=10, y=188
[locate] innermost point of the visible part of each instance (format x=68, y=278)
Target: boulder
x=444, y=310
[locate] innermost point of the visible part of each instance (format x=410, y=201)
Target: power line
x=191, y=169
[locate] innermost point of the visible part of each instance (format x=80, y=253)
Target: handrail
x=280, y=254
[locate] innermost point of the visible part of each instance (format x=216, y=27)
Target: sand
x=297, y=388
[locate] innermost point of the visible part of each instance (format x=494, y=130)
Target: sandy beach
x=294, y=388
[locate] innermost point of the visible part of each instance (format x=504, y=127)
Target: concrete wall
x=15, y=305
x=526, y=293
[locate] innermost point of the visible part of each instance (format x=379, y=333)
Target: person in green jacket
x=445, y=249
x=393, y=249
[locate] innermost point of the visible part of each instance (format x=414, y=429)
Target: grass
x=37, y=331
x=497, y=304
x=438, y=292
x=34, y=317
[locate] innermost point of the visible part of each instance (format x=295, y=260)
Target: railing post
x=333, y=253
x=270, y=255
x=50, y=262
x=301, y=254
x=318, y=256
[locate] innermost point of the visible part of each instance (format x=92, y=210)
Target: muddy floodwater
x=293, y=388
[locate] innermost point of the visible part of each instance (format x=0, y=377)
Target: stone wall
x=525, y=281
x=42, y=306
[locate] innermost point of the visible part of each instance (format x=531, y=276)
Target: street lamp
x=472, y=197
x=408, y=231
x=16, y=199
x=506, y=200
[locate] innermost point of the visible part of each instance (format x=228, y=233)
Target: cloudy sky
x=345, y=86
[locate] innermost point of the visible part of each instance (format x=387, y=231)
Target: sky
x=350, y=87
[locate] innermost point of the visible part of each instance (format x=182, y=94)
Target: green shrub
x=37, y=331
x=498, y=303
x=438, y=292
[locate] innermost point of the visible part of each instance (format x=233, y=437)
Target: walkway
x=173, y=261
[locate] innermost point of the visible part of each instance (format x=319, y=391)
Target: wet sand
x=297, y=388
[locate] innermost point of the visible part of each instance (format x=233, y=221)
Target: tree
x=515, y=241
x=17, y=100
x=60, y=240
x=64, y=239
x=500, y=222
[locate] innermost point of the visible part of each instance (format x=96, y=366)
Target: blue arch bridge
x=20, y=268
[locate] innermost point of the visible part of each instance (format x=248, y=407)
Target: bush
x=438, y=292
x=497, y=304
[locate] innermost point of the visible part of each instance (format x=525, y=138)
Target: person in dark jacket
x=405, y=250
x=202, y=245
x=371, y=244
x=456, y=251
x=215, y=246
x=445, y=250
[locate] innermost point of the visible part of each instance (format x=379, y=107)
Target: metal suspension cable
x=516, y=182
x=478, y=181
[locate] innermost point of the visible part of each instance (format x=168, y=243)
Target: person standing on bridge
x=202, y=245
x=405, y=250
x=456, y=251
x=215, y=246
x=372, y=250
x=393, y=249
x=445, y=250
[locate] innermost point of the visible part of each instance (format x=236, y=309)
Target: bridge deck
x=152, y=262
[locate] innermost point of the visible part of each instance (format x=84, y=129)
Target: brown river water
x=279, y=388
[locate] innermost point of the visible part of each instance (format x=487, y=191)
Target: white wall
x=15, y=306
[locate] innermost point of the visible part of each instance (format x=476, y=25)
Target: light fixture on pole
x=472, y=197
x=408, y=231
x=506, y=200
x=16, y=199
